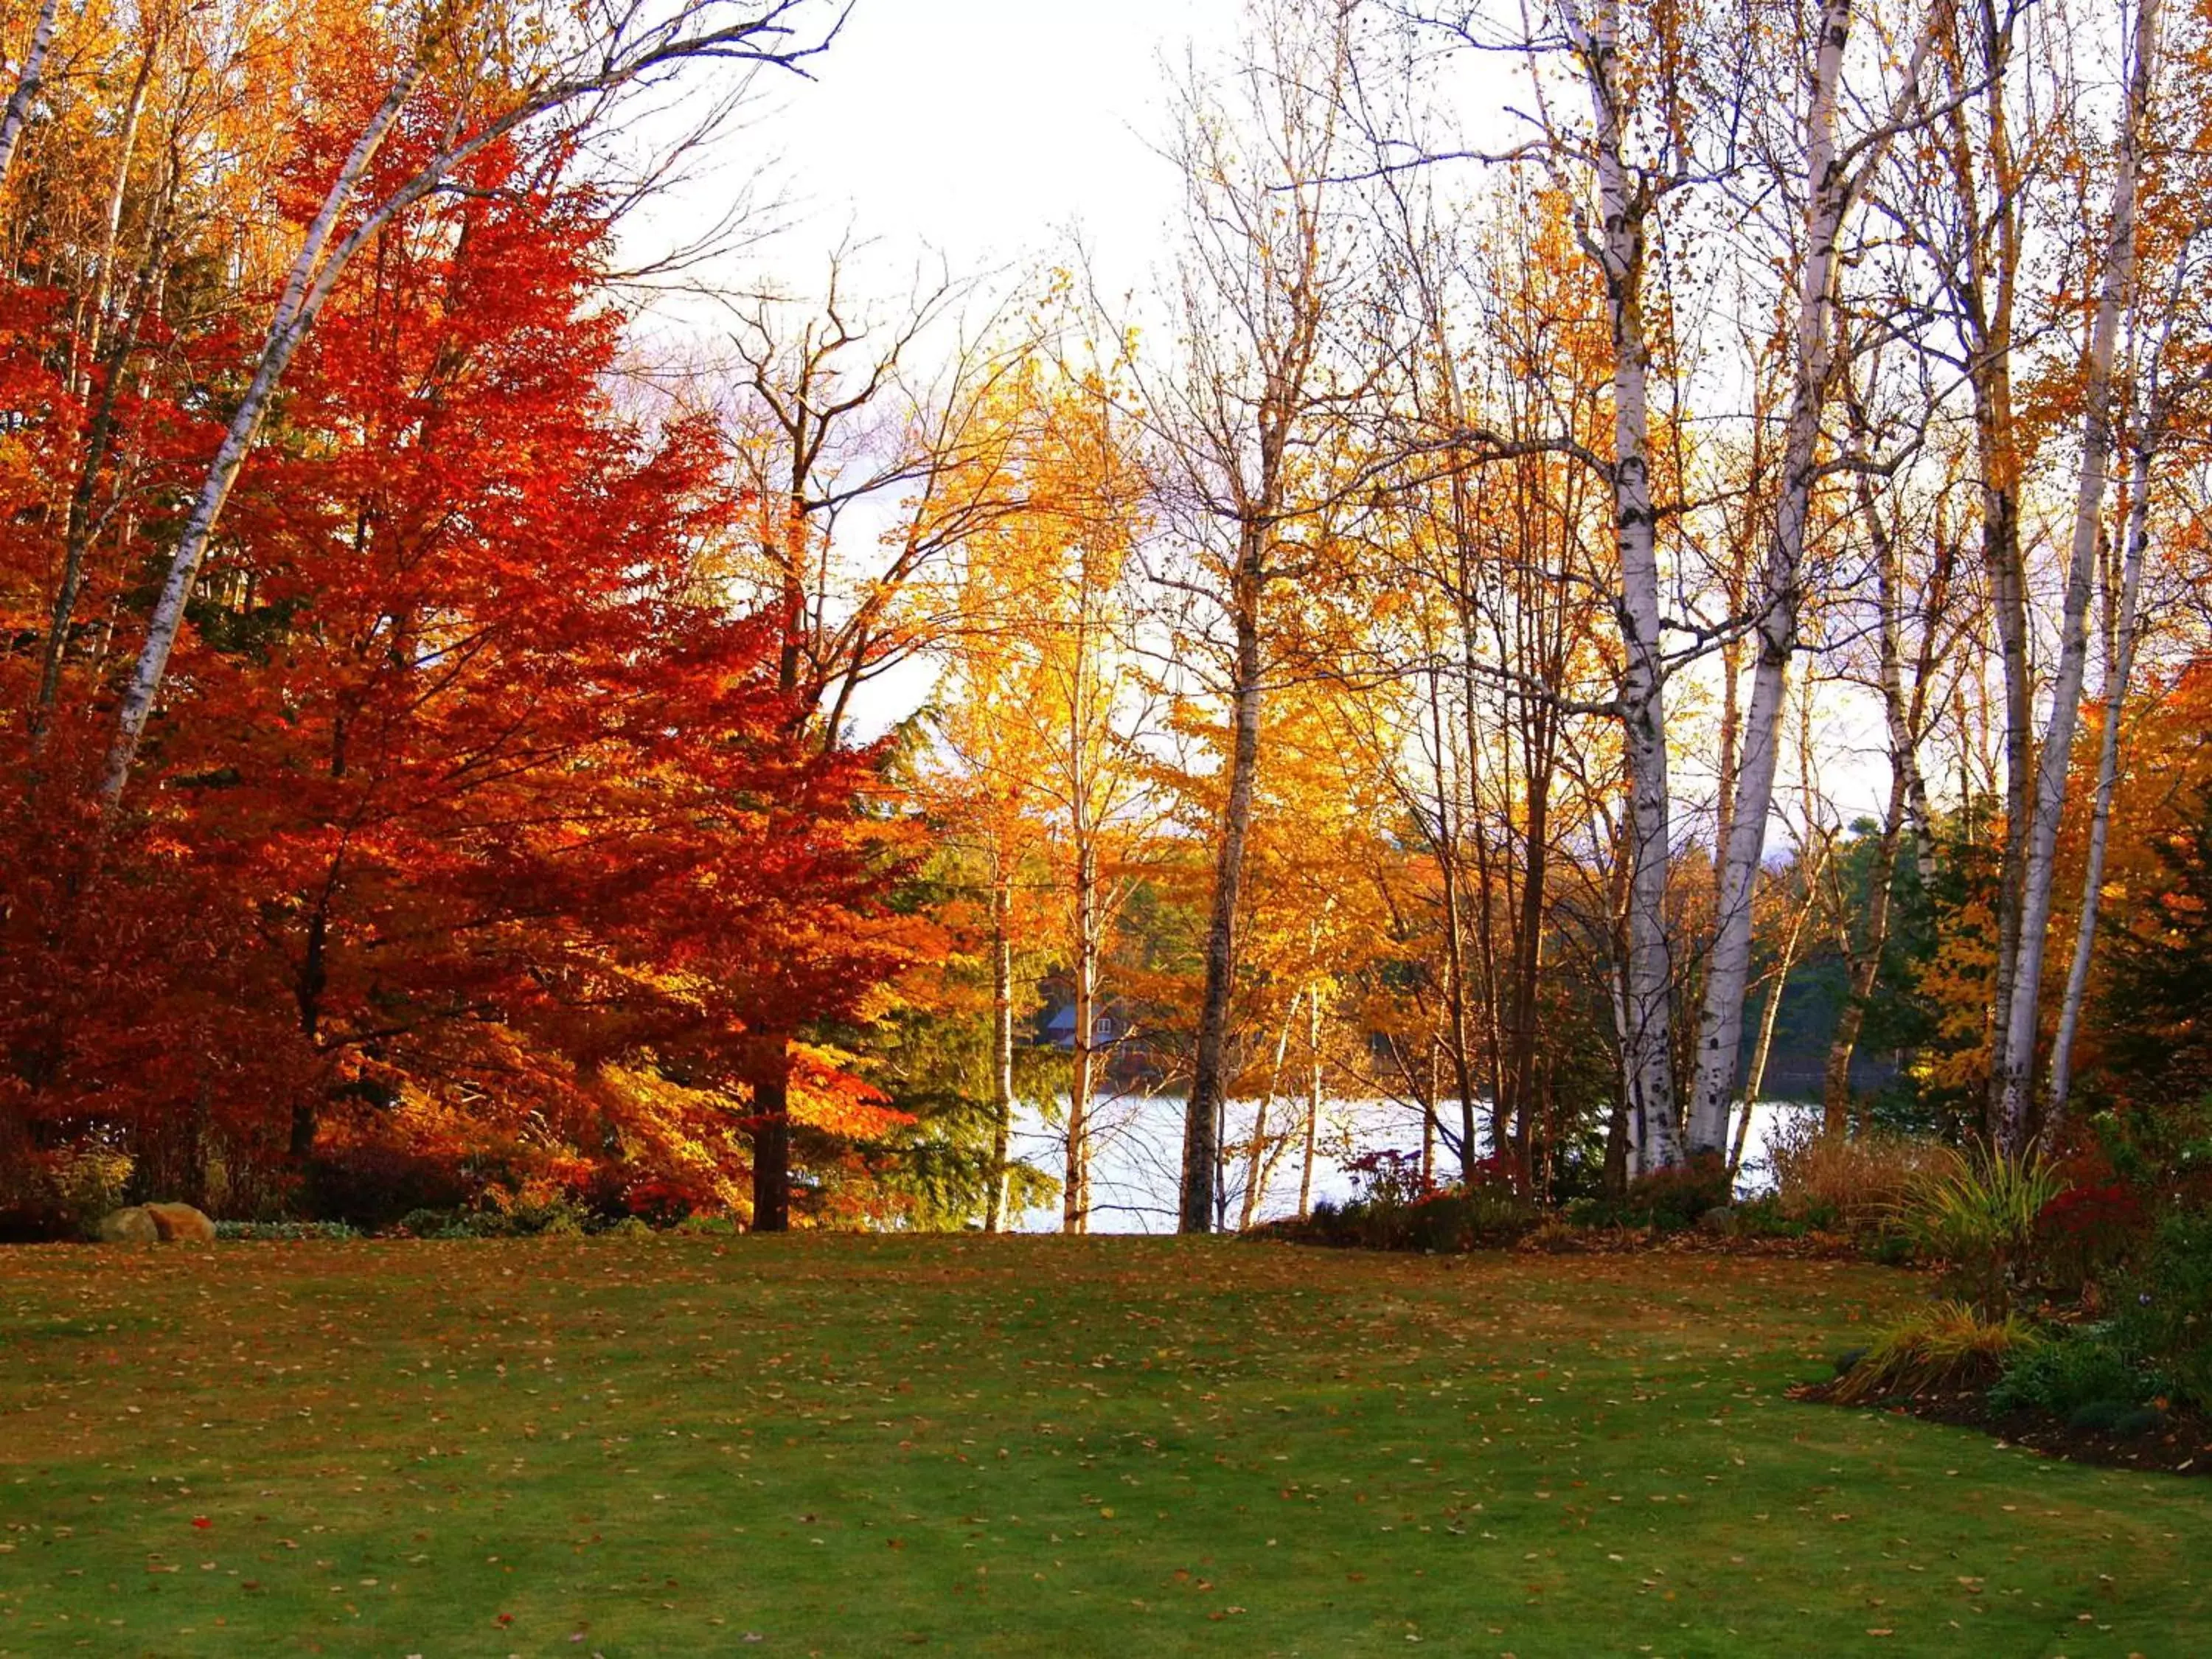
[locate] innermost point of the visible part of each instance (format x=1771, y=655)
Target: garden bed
x=2181, y=1443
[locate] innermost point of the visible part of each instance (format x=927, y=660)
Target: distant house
x=1108, y=1026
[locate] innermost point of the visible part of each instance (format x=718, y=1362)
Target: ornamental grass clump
x=1977, y=1212
x=1847, y=1183
x=1946, y=1347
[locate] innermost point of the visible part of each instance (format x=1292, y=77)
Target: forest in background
x=1517, y=592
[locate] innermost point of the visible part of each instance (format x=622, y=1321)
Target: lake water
x=1136, y=1159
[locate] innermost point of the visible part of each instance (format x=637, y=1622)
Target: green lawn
x=851, y=1445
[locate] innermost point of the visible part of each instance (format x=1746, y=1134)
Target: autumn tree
x=1249, y=429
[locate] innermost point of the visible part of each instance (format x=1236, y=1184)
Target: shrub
x=533, y=1214
x=433, y=1224
x=2077, y=1368
x=2116, y=1417
x=1889, y=1249
x=1390, y=1177
x=663, y=1201
x=711, y=1226
x=1851, y=1183
x=504, y=1216
x=370, y=1185
x=2086, y=1232
x=88, y=1179
x=2162, y=1309
x=1947, y=1346
x=1666, y=1201
x=2161, y=1152
x=1764, y=1218
x=61, y=1194
x=1977, y=1212
x=1455, y=1219
x=284, y=1231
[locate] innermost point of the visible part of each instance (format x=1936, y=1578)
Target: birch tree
x=463, y=55
x=2123, y=635
x=1267, y=274
x=30, y=78
x=2014, y=1074
x=1907, y=659
x=1832, y=181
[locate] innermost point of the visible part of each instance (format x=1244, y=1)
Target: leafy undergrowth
x=854, y=1445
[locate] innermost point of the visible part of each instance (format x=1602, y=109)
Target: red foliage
x=469, y=798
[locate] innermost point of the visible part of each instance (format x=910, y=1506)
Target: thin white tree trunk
x=2117, y=673
x=28, y=84
x=315, y=270
x=126, y=149
x=1648, y=987
x=1256, y=1161
x=1728, y=971
x=1863, y=960
x=1312, y=1105
x=1763, y=1049
x=635, y=50
x=2016, y=1079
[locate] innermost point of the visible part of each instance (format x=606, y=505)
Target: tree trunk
x=1648, y=984
x=1754, y=1077
x=127, y=148
x=1865, y=967
x=1075, y=1189
x=1863, y=960
x=2117, y=669
x=1827, y=197
x=1987, y=265
x=1313, y=1104
x=771, y=1083
x=315, y=270
x=80, y=524
x=1002, y=1041
x=1529, y=956
x=1256, y=1154
x=27, y=85
x=2014, y=1098
x=1201, y=1148
x=1456, y=1041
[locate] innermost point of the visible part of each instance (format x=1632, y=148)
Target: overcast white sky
x=981, y=127
x=979, y=131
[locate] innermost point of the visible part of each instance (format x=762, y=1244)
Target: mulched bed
x=1566, y=1240
x=2181, y=1445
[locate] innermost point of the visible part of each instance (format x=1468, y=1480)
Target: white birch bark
x=2016, y=1077
x=761, y=34
x=1648, y=981
x=1312, y=1105
x=2118, y=670
x=94, y=329
x=27, y=83
x=1256, y=1160
x=1277, y=296
x=315, y=270
x=1830, y=187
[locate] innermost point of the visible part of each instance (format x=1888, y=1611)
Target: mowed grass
x=861, y=1445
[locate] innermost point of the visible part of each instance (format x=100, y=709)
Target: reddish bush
x=2087, y=1231
x=662, y=1201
